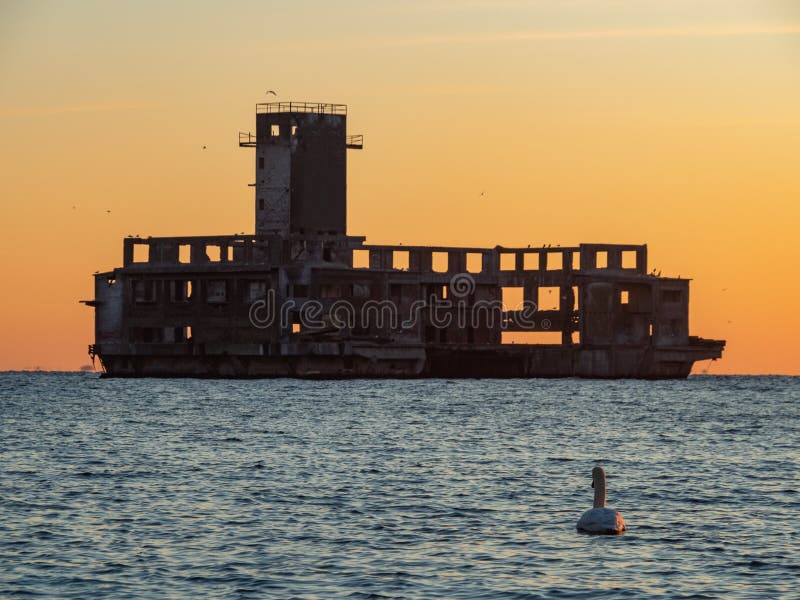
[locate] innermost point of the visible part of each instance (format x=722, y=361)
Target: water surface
x=396, y=489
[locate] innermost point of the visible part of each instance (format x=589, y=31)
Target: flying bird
x=204, y=147
x=270, y=92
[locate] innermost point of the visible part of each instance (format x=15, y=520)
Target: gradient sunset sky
x=672, y=123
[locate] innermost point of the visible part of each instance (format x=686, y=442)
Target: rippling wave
x=396, y=489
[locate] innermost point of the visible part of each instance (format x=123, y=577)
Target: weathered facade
x=302, y=298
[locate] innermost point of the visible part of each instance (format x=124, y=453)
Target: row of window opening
x=213, y=252
x=532, y=261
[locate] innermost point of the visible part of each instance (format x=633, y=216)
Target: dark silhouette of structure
x=302, y=298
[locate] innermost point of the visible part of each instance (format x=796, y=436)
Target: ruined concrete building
x=302, y=298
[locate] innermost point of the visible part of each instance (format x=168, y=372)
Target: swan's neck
x=600, y=491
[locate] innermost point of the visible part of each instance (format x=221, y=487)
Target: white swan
x=601, y=519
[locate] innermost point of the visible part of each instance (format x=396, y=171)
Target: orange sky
x=631, y=121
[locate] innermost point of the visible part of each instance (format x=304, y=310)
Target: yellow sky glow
x=632, y=121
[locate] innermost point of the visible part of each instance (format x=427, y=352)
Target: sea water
x=396, y=489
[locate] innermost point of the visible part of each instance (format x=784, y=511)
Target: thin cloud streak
x=648, y=32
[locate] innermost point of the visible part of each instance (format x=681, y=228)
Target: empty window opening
x=555, y=261
x=675, y=327
x=651, y=330
x=180, y=290
x=576, y=261
x=671, y=295
x=531, y=337
x=360, y=290
x=576, y=337
x=275, y=130
x=256, y=290
x=213, y=253
x=260, y=162
x=508, y=261
x=185, y=253
x=400, y=260
x=147, y=334
x=531, y=261
x=433, y=291
x=444, y=292
x=187, y=333
x=295, y=327
x=440, y=262
x=294, y=129
x=474, y=262
x=549, y=298
x=512, y=298
x=629, y=259
x=575, y=296
x=217, y=291
x=601, y=259
x=144, y=291
x=329, y=290
x=361, y=259
x=624, y=297
x=141, y=253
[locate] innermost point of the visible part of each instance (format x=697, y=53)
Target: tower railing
x=247, y=140
x=321, y=108
x=355, y=142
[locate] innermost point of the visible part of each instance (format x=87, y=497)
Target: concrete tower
x=301, y=168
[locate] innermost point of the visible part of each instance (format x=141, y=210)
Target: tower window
x=260, y=204
x=260, y=162
x=275, y=130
